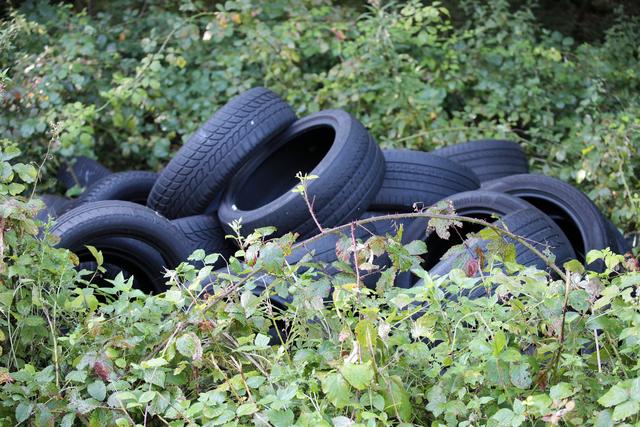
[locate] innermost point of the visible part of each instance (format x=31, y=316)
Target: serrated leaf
x=189, y=345
x=246, y=409
x=614, y=396
x=625, y=410
x=97, y=390
x=337, y=390
x=359, y=375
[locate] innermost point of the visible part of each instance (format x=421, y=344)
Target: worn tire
x=331, y=145
x=422, y=178
x=129, y=186
x=82, y=172
x=205, y=232
x=619, y=244
x=572, y=210
x=112, y=227
x=539, y=230
x=488, y=158
x=203, y=167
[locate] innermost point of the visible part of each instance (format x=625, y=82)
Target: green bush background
x=131, y=82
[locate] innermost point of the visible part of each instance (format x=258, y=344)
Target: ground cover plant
x=558, y=349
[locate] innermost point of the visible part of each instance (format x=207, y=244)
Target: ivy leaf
x=337, y=390
x=359, y=375
x=97, y=390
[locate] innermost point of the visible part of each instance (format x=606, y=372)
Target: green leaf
x=614, y=396
x=97, y=390
x=23, y=411
x=153, y=363
x=189, y=345
x=520, y=376
x=68, y=420
x=560, y=391
x=416, y=247
x=281, y=418
x=499, y=342
x=155, y=377
x=437, y=400
x=337, y=390
x=246, y=409
x=27, y=173
x=625, y=410
x=359, y=375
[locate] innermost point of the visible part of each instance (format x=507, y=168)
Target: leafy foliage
x=535, y=349
x=120, y=83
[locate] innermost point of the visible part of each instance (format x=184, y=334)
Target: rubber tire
x=53, y=206
x=419, y=177
x=349, y=175
x=574, y=212
x=488, y=158
x=540, y=230
x=111, y=226
x=479, y=204
x=130, y=186
x=203, y=167
x=205, y=232
x=619, y=244
x=82, y=172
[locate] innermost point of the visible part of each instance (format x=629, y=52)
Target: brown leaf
x=101, y=370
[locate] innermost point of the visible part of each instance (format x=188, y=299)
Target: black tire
x=112, y=227
x=480, y=204
x=573, y=211
x=330, y=144
x=128, y=186
x=418, y=177
x=203, y=167
x=488, y=158
x=539, y=230
x=83, y=172
x=619, y=244
x=205, y=232
x=53, y=206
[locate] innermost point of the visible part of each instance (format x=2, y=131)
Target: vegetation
x=128, y=84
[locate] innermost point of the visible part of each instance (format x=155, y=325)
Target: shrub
x=121, y=83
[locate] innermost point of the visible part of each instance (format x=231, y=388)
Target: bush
x=121, y=83
x=536, y=350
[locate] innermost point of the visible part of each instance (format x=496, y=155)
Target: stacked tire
x=241, y=166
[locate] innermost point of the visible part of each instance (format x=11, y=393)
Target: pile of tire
x=241, y=166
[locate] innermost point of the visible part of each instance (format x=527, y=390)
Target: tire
x=418, y=177
x=331, y=145
x=480, y=204
x=539, y=230
x=205, y=232
x=488, y=158
x=619, y=244
x=573, y=211
x=129, y=186
x=82, y=172
x=203, y=167
x=112, y=227
x=53, y=206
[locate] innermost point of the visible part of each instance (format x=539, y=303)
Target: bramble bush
x=538, y=349
x=130, y=86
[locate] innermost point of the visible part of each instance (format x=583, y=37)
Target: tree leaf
x=189, y=345
x=625, y=410
x=614, y=396
x=23, y=411
x=246, y=409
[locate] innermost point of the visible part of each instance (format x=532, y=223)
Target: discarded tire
x=205, y=232
x=331, y=145
x=83, y=172
x=420, y=178
x=206, y=163
x=488, y=158
x=104, y=225
x=573, y=211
